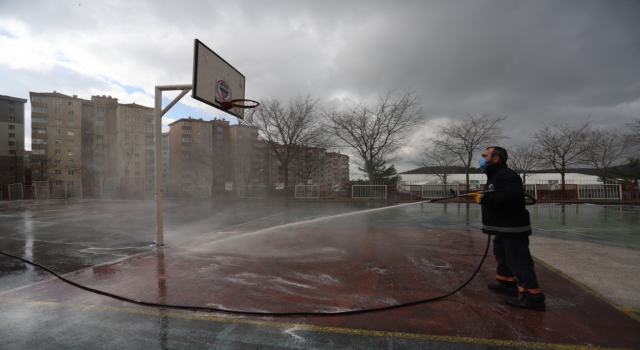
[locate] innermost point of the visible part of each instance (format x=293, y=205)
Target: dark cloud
x=535, y=61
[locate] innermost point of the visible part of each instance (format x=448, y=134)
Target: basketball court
x=279, y=257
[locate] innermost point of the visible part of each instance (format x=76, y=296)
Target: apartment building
x=11, y=140
x=95, y=141
x=248, y=156
x=56, y=138
x=336, y=168
x=306, y=167
x=131, y=153
x=198, y=156
x=78, y=141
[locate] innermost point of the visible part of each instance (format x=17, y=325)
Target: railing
x=369, y=192
x=307, y=191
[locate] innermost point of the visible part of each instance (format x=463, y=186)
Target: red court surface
x=322, y=269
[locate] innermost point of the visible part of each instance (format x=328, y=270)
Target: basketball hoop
x=239, y=103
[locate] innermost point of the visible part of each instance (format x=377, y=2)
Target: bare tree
x=524, y=158
x=562, y=145
x=41, y=166
x=310, y=162
x=605, y=148
x=634, y=127
x=439, y=159
x=469, y=136
x=287, y=126
x=376, y=133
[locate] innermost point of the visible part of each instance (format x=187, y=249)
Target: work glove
x=476, y=196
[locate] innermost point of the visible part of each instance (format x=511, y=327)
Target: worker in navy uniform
x=504, y=215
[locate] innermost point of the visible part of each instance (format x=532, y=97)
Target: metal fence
x=307, y=191
x=16, y=191
x=199, y=191
x=369, y=192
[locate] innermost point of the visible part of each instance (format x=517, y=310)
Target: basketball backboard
x=216, y=81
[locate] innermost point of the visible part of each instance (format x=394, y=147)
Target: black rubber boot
x=529, y=301
x=505, y=288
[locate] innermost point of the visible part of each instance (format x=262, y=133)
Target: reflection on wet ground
x=297, y=256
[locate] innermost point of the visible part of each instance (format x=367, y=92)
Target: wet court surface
x=277, y=257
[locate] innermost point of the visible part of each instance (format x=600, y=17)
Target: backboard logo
x=223, y=90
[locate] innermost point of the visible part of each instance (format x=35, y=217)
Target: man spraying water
x=504, y=215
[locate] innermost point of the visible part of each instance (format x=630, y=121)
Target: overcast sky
x=536, y=62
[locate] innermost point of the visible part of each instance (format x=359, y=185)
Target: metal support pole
x=159, y=112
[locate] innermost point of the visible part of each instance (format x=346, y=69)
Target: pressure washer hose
x=255, y=313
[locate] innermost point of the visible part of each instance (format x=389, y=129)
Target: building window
x=100, y=127
x=100, y=119
x=39, y=141
x=12, y=127
x=186, y=123
x=57, y=101
x=127, y=119
x=137, y=128
x=137, y=155
x=39, y=120
x=40, y=131
x=71, y=153
x=58, y=172
x=70, y=142
x=71, y=132
x=57, y=111
x=136, y=111
x=149, y=111
x=136, y=119
x=56, y=142
x=57, y=122
x=12, y=135
x=70, y=103
x=149, y=155
x=69, y=172
x=38, y=99
x=127, y=136
x=99, y=137
x=70, y=113
x=127, y=145
x=148, y=120
x=127, y=109
x=39, y=109
x=186, y=132
x=71, y=122
x=137, y=172
x=58, y=162
x=57, y=131
x=100, y=109
x=186, y=139
x=58, y=152
x=127, y=127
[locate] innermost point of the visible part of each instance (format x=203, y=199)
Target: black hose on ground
x=256, y=313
